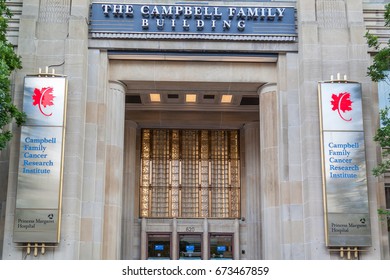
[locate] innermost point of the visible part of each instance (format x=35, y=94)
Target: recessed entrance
x=221, y=246
x=159, y=246
x=177, y=104
x=190, y=246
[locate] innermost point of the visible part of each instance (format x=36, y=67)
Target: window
x=159, y=246
x=190, y=173
x=384, y=92
x=221, y=246
x=190, y=247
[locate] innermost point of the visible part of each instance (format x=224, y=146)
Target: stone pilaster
x=252, y=191
x=236, y=241
x=94, y=157
x=130, y=190
x=75, y=67
x=310, y=57
x=115, y=119
x=270, y=187
x=205, y=242
x=144, y=248
x=289, y=155
x=175, y=241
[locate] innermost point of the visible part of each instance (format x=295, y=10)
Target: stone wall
x=282, y=189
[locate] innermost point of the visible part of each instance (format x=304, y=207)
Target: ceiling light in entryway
x=155, y=97
x=226, y=98
x=190, y=98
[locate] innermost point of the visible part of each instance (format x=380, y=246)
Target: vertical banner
x=347, y=218
x=39, y=188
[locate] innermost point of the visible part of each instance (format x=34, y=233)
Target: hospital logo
x=43, y=98
x=342, y=104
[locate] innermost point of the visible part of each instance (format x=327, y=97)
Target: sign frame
x=266, y=22
x=344, y=174
x=38, y=204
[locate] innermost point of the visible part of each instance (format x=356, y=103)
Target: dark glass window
x=221, y=246
x=159, y=246
x=190, y=246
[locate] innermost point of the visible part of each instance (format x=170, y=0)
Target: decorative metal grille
x=190, y=173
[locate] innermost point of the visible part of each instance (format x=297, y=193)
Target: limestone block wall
x=50, y=35
x=290, y=160
x=101, y=215
x=331, y=41
x=282, y=193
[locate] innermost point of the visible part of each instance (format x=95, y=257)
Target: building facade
x=193, y=130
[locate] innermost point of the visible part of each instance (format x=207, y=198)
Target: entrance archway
x=156, y=97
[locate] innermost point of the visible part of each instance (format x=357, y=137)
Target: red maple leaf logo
x=342, y=102
x=43, y=97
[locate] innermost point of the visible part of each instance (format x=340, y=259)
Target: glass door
x=221, y=246
x=159, y=247
x=190, y=246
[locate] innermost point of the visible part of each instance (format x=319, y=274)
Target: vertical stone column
x=94, y=157
x=115, y=119
x=143, y=239
x=313, y=21
x=130, y=199
x=270, y=192
x=75, y=67
x=253, y=194
x=205, y=243
x=175, y=243
x=236, y=241
x=290, y=159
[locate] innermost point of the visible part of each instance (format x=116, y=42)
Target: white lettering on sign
x=201, y=16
